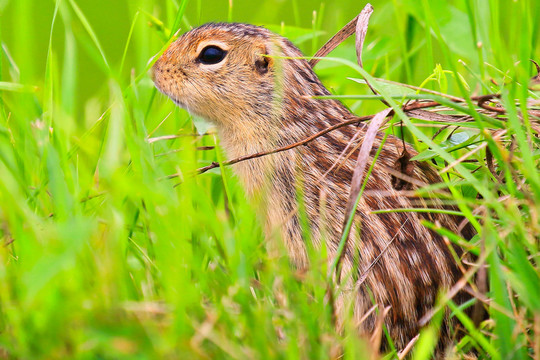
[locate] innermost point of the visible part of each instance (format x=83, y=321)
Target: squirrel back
x=258, y=90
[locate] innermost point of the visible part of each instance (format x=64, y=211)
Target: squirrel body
x=252, y=85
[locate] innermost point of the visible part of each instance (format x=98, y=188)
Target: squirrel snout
x=165, y=70
x=161, y=74
x=168, y=77
x=153, y=70
x=157, y=74
x=153, y=73
x=156, y=68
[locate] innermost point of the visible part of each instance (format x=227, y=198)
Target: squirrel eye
x=211, y=55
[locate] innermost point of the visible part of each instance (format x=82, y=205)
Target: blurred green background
x=397, y=47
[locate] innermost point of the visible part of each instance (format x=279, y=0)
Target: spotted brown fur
x=260, y=110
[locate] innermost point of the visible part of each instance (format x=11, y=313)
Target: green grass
x=103, y=257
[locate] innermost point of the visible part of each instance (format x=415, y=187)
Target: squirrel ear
x=262, y=61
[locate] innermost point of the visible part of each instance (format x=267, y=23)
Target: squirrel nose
x=154, y=69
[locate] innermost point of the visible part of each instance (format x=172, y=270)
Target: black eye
x=211, y=55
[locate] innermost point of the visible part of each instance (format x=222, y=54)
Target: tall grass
x=102, y=257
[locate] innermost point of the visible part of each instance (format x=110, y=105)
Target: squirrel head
x=254, y=85
x=222, y=72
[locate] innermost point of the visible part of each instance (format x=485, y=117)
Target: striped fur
x=258, y=111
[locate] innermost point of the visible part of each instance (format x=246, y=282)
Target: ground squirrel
x=253, y=85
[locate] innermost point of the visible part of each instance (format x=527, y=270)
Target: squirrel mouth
x=174, y=99
x=178, y=102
